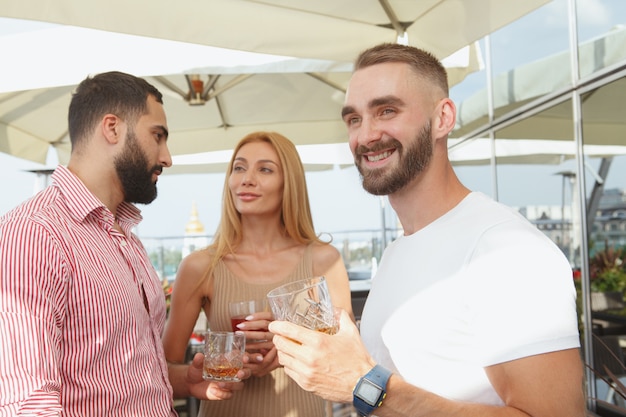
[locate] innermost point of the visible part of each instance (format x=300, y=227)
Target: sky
x=337, y=199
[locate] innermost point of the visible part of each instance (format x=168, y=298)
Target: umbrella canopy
x=299, y=98
x=321, y=29
x=304, y=106
x=237, y=93
x=604, y=119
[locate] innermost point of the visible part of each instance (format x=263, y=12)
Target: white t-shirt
x=478, y=286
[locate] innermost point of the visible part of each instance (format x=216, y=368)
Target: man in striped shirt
x=81, y=307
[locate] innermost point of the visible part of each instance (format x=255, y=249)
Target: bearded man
x=81, y=307
x=455, y=323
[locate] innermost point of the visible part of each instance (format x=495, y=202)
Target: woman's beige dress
x=274, y=395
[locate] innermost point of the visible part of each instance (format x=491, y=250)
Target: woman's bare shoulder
x=196, y=263
x=325, y=253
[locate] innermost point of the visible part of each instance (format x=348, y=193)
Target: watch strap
x=379, y=376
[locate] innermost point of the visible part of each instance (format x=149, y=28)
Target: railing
x=359, y=248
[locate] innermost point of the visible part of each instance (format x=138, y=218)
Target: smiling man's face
x=387, y=115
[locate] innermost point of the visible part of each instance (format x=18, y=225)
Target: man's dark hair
x=117, y=93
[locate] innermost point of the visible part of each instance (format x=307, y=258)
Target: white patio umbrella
x=241, y=92
x=246, y=91
x=321, y=29
x=295, y=104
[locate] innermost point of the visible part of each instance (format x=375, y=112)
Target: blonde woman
x=265, y=238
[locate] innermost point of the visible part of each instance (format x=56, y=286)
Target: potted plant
x=607, y=272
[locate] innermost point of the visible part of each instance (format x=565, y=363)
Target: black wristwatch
x=370, y=391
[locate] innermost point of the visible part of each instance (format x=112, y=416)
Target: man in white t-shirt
x=472, y=311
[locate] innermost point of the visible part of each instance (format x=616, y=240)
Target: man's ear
x=111, y=128
x=445, y=118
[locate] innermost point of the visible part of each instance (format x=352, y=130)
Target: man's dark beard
x=136, y=178
x=388, y=180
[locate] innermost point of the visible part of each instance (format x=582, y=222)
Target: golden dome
x=194, y=226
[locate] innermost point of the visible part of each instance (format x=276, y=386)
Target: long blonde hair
x=296, y=219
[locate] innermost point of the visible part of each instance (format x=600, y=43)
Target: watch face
x=369, y=392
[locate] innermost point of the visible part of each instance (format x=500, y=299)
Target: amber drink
x=223, y=355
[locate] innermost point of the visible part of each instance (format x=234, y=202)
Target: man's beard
x=388, y=180
x=131, y=169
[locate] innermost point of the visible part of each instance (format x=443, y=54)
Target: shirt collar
x=81, y=202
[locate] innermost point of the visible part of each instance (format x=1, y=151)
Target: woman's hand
x=261, y=358
x=261, y=363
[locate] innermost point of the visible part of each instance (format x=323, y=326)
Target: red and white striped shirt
x=75, y=336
